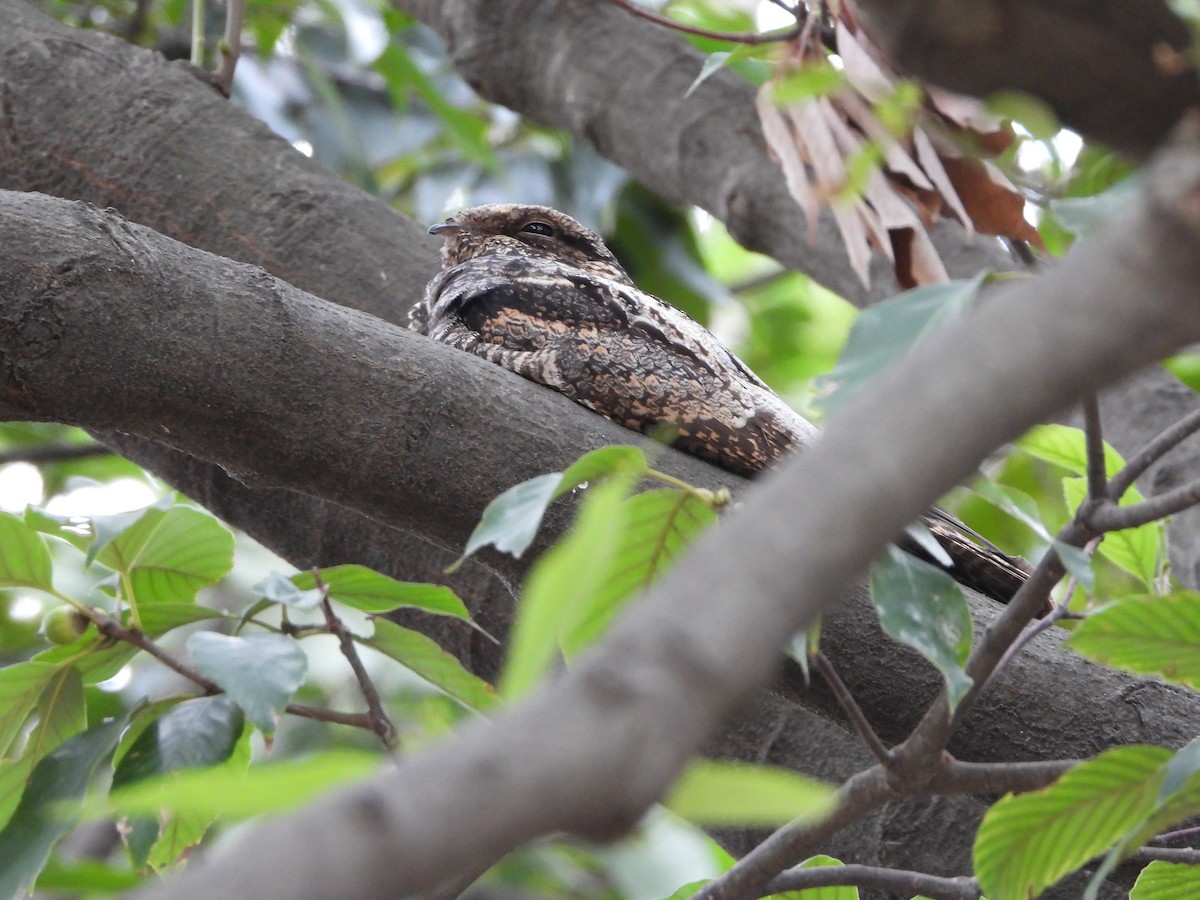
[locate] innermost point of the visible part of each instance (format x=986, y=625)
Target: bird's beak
x=447, y=227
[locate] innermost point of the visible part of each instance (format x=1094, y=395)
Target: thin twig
x=878, y=749
x=1097, y=473
x=1177, y=835
x=1152, y=452
x=754, y=282
x=749, y=877
x=1058, y=612
x=957, y=777
x=380, y=723
x=898, y=881
x=114, y=630
x=1110, y=517
x=772, y=37
x=355, y=720
x=1167, y=854
x=230, y=46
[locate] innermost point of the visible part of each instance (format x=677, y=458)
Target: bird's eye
x=538, y=228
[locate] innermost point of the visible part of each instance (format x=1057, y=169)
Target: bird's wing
x=616, y=350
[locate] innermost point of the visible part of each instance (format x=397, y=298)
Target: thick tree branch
x=683, y=657
x=225, y=361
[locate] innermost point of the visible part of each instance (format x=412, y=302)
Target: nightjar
x=533, y=290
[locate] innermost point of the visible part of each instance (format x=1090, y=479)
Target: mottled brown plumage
x=532, y=290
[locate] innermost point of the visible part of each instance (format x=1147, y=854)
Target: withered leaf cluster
x=884, y=188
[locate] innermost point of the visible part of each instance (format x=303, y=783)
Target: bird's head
x=518, y=230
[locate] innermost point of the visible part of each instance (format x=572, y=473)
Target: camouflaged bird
x=533, y=290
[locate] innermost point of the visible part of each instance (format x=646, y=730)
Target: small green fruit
x=64, y=625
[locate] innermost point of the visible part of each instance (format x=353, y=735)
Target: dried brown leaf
x=994, y=205
x=861, y=70
x=932, y=164
x=917, y=261
x=896, y=159
x=965, y=112
x=811, y=125
x=877, y=235
x=782, y=142
x=850, y=223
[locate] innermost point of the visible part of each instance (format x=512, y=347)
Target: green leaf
x=1136, y=550
x=886, y=331
x=1015, y=503
x=1186, y=367
x=14, y=775
x=49, y=808
x=600, y=464
x=510, y=522
x=1167, y=881
x=1028, y=842
x=1178, y=799
x=712, y=64
x=159, y=618
x=922, y=607
x=1083, y=215
x=570, y=572
x=65, y=528
x=24, y=557
x=816, y=79
x=107, y=528
x=96, y=659
x=365, y=589
x=21, y=685
x=85, y=877
x=1077, y=563
x=198, y=733
x=423, y=656
x=469, y=132
x=1032, y=112
x=1061, y=445
x=920, y=533
x=727, y=794
x=1150, y=635
x=168, y=555
x=659, y=525
x=260, y=672
x=687, y=891
x=62, y=712
x=192, y=734
x=266, y=788
x=279, y=588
